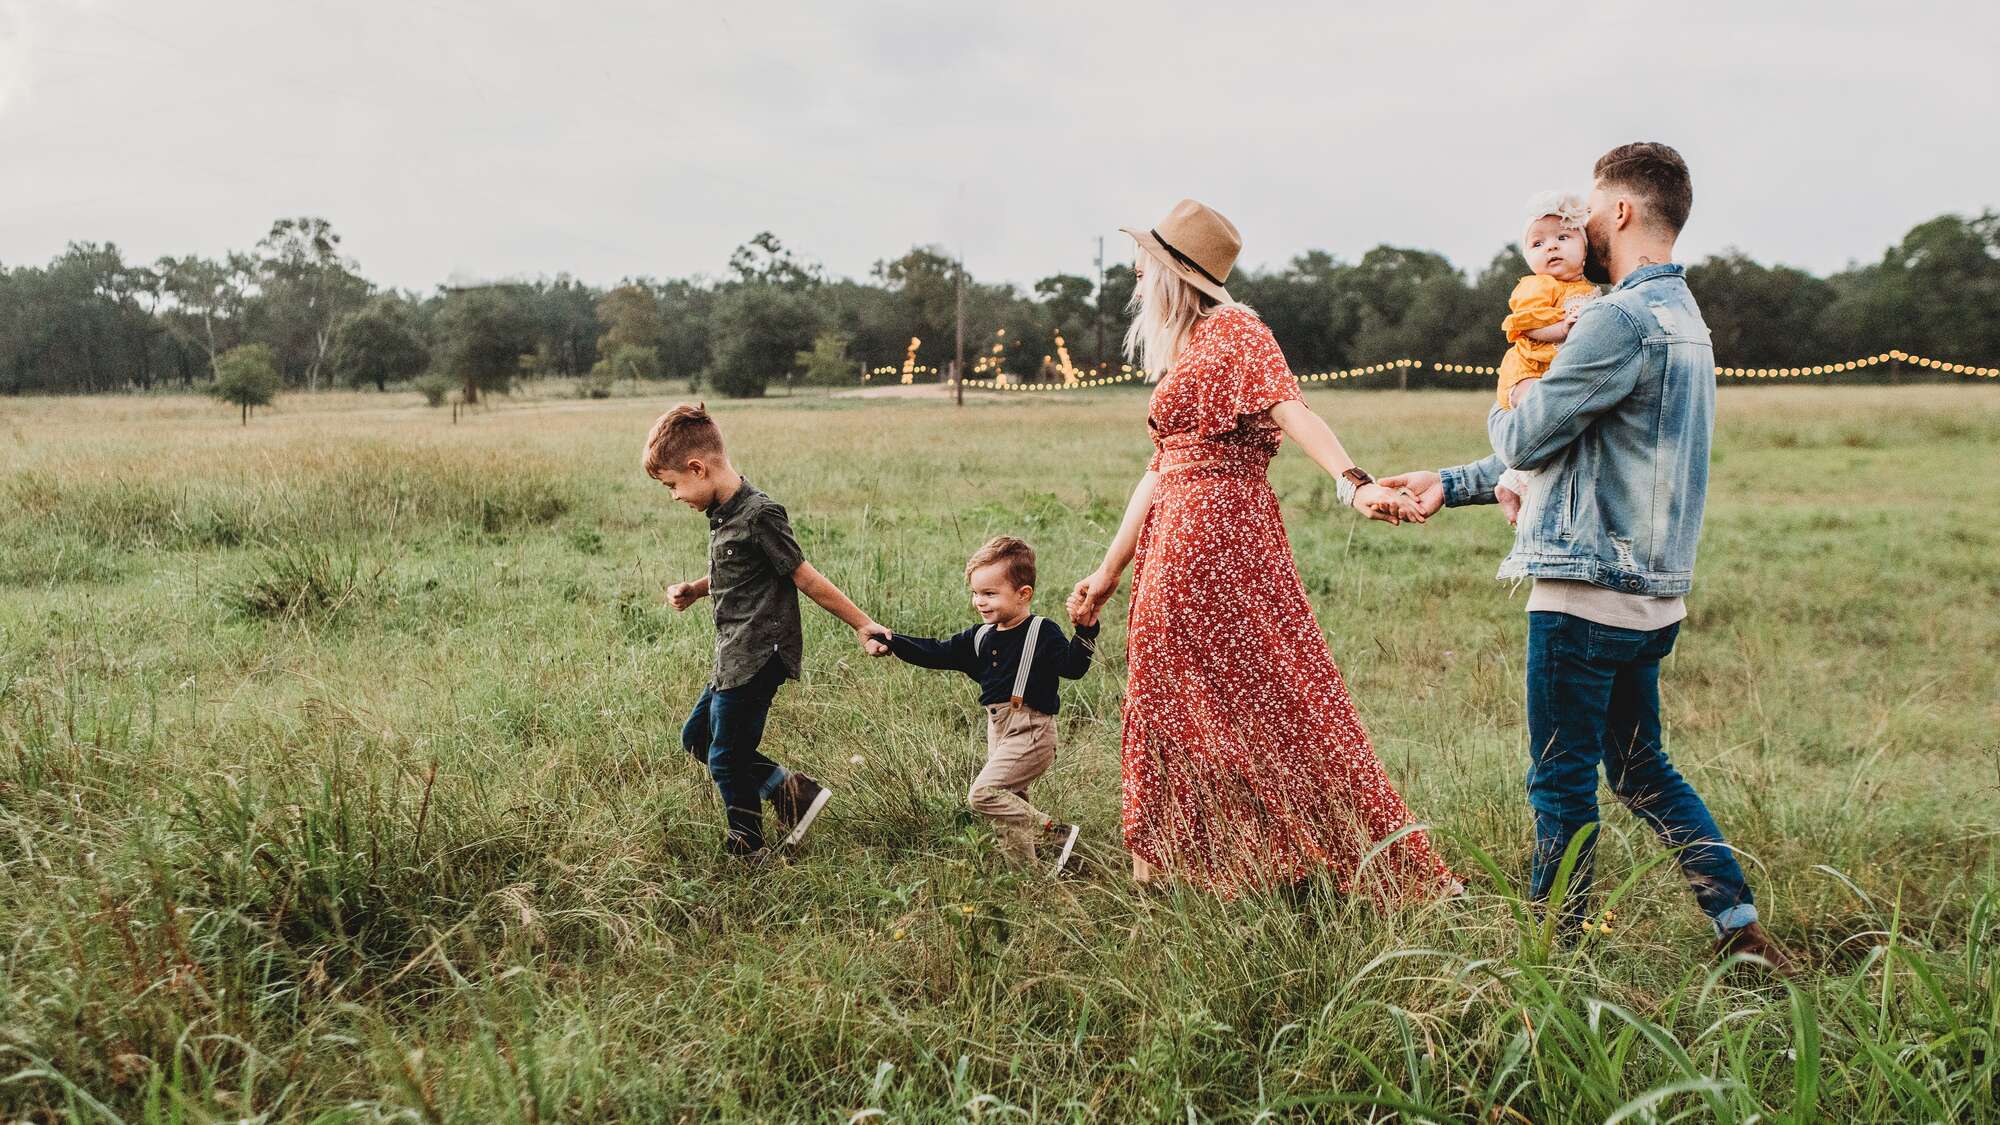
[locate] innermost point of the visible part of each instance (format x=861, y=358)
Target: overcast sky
x=611, y=139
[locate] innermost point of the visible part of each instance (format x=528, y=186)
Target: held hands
x=1089, y=597
x=1510, y=503
x=1426, y=486
x=873, y=638
x=1389, y=503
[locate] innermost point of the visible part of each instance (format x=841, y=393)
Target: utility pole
x=1100, y=299
x=958, y=361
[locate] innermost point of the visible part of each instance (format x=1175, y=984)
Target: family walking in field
x=1245, y=764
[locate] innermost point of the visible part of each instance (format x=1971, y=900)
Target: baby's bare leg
x=1519, y=391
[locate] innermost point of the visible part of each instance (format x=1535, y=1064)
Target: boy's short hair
x=683, y=432
x=1654, y=172
x=1019, y=557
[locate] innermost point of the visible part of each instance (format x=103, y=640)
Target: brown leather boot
x=1753, y=941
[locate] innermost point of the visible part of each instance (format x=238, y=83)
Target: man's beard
x=1596, y=267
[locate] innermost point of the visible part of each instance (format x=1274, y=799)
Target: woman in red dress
x=1245, y=764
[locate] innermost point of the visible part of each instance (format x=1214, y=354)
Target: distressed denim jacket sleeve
x=1597, y=367
x=1472, y=483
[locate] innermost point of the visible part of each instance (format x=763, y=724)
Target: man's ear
x=1624, y=214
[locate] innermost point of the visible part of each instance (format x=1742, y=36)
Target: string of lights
x=1127, y=373
x=1894, y=355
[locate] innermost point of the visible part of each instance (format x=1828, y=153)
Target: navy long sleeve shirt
x=1000, y=660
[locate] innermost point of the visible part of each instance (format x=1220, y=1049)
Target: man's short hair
x=1019, y=557
x=1654, y=172
x=683, y=432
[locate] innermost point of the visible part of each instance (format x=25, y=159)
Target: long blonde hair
x=1164, y=312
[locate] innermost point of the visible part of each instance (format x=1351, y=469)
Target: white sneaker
x=798, y=803
x=1067, y=833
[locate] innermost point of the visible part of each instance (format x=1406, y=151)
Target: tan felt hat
x=1195, y=242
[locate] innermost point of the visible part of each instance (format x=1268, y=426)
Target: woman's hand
x=1090, y=595
x=1391, y=505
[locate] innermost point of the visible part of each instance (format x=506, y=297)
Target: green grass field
x=340, y=781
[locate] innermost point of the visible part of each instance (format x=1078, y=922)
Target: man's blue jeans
x=723, y=733
x=1594, y=696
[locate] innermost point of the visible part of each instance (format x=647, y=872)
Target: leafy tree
x=377, y=343
x=628, y=361
x=826, y=363
x=1066, y=298
x=203, y=301
x=764, y=260
x=631, y=318
x=925, y=282
x=1759, y=316
x=566, y=321
x=1935, y=293
x=80, y=324
x=482, y=335
x=88, y=321
x=1311, y=307
x=759, y=332
x=1116, y=293
x=868, y=316
x=686, y=313
x=304, y=287
x=246, y=376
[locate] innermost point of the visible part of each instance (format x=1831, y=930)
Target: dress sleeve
x=1239, y=370
x=1536, y=303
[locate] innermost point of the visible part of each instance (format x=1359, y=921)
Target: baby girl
x=1544, y=305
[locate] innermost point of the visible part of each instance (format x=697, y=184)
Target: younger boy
x=755, y=574
x=1016, y=657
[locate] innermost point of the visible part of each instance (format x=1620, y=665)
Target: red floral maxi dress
x=1244, y=761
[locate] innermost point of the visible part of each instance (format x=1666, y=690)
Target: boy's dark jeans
x=723, y=733
x=1594, y=696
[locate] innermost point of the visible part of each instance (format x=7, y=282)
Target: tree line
x=90, y=321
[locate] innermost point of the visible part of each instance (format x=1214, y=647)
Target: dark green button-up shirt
x=751, y=557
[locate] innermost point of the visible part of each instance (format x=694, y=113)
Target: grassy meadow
x=340, y=781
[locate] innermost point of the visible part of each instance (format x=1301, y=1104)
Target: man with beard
x=1620, y=425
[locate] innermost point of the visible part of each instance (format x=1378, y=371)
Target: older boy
x=755, y=573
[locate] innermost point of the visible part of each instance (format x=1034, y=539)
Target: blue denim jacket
x=1620, y=428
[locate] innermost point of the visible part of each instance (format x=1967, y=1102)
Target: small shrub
x=434, y=387
x=638, y=621
x=527, y=505
x=300, y=583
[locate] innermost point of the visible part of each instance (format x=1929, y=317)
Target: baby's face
x=997, y=600
x=1554, y=250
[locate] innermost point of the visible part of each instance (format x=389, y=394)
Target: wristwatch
x=1350, y=481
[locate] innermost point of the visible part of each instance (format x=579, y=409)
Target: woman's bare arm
x=1319, y=442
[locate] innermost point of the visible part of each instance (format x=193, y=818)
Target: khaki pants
x=1020, y=747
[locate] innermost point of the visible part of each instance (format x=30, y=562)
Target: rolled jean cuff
x=1734, y=918
x=779, y=775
